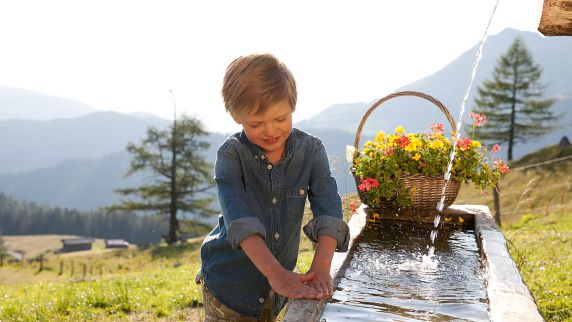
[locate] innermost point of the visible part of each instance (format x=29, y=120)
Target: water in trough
x=387, y=280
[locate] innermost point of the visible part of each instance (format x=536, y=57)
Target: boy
x=263, y=175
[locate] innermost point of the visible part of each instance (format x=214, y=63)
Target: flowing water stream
x=431, y=249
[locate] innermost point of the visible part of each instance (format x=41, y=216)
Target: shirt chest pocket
x=296, y=200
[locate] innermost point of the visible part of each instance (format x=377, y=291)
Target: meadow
x=157, y=283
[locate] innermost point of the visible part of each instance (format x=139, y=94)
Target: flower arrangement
x=381, y=163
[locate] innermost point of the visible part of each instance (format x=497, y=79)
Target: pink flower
x=388, y=151
x=438, y=128
x=353, y=206
x=501, y=166
x=496, y=148
x=464, y=143
x=478, y=119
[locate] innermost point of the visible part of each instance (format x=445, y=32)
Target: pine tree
x=512, y=101
x=182, y=176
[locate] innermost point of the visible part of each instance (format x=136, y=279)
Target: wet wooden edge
x=508, y=295
x=509, y=298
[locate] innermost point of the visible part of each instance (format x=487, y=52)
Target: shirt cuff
x=241, y=228
x=331, y=226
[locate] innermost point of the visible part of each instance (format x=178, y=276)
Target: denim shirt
x=258, y=197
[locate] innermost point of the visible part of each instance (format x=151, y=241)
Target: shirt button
x=256, y=157
x=302, y=192
x=269, y=167
x=263, y=157
x=274, y=200
x=277, y=235
x=261, y=300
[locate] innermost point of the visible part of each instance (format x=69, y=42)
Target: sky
x=128, y=56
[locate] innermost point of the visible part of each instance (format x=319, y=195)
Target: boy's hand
x=293, y=285
x=321, y=263
x=282, y=281
x=322, y=282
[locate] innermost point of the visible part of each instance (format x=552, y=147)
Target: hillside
x=535, y=184
x=28, y=145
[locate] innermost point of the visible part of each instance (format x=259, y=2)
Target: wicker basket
x=425, y=190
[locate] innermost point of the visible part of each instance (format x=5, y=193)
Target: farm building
x=116, y=243
x=76, y=244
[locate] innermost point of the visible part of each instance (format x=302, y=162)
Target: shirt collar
x=257, y=152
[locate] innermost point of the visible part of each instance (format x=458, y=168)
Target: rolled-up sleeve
x=239, y=210
x=325, y=202
x=326, y=225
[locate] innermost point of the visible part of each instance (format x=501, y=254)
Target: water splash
x=441, y=203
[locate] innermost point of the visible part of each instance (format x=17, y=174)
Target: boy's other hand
x=322, y=282
x=294, y=285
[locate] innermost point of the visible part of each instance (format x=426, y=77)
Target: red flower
x=403, y=141
x=464, y=143
x=496, y=148
x=367, y=184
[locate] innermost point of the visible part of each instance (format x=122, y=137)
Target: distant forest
x=28, y=218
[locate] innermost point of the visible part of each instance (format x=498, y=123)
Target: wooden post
x=497, y=205
x=84, y=269
x=1, y=260
x=41, y=260
x=61, y=268
x=71, y=270
x=556, y=19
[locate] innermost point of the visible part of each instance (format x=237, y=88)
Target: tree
x=181, y=174
x=512, y=101
x=513, y=104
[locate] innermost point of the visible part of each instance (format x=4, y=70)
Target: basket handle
x=404, y=93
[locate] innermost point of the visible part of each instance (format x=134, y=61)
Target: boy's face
x=268, y=130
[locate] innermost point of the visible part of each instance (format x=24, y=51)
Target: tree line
x=28, y=218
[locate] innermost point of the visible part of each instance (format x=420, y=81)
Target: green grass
x=153, y=284
x=542, y=247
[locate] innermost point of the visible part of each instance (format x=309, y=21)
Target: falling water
x=428, y=258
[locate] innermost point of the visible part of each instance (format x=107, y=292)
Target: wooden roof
x=556, y=19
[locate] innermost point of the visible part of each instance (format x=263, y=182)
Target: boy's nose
x=269, y=130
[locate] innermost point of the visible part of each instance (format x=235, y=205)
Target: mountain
x=22, y=104
x=449, y=84
x=28, y=145
x=75, y=163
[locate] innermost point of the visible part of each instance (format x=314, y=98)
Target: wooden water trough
x=508, y=296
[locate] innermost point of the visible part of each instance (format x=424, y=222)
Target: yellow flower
x=380, y=136
x=400, y=130
x=437, y=144
x=368, y=144
x=475, y=144
x=416, y=157
x=414, y=143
